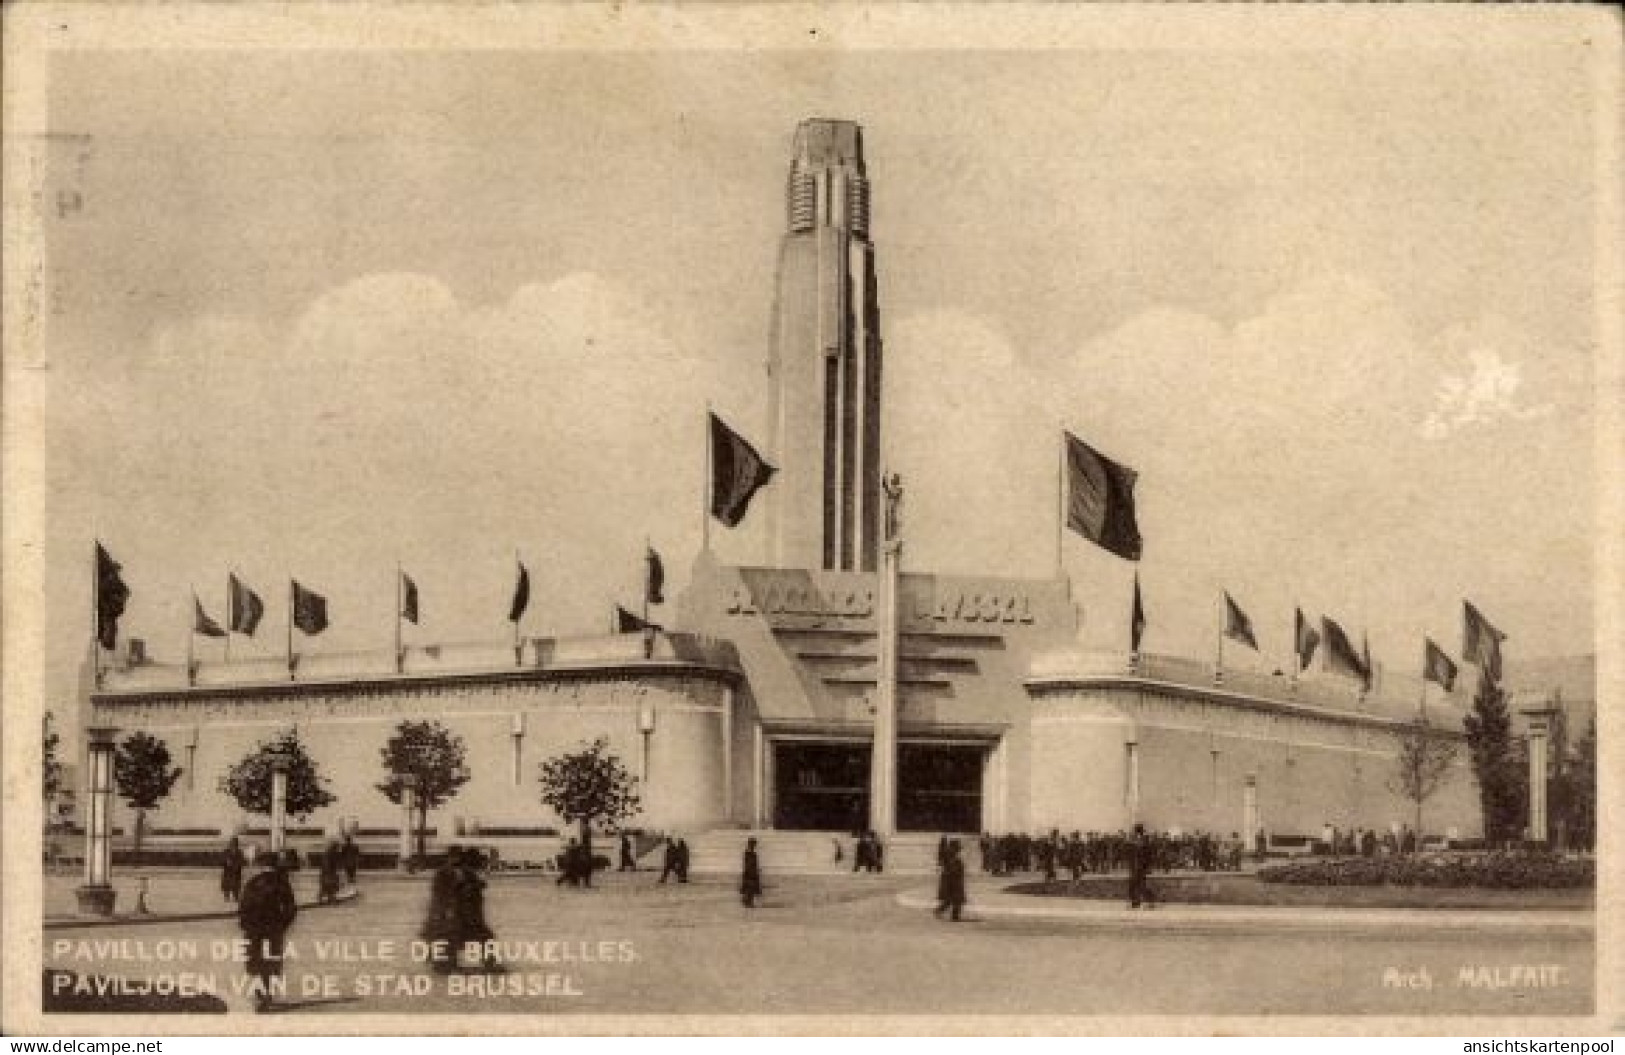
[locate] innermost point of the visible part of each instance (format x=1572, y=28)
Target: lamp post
x=279, y=801
x=96, y=895
x=646, y=729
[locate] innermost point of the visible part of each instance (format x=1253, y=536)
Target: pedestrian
x=682, y=860
x=951, y=884
x=231, y=870
x=669, y=865
x=569, y=865
x=750, y=876
x=350, y=854
x=441, y=926
x=629, y=863
x=472, y=929
x=1141, y=852
x=327, y=887
x=265, y=911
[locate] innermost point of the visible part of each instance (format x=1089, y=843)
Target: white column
x=759, y=768
x=1249, y=810
x=516, y=732
x=1538, y=738
x=727, y=753
x=407, y=802
x=883, y=757
x=1132, y=793
x=96, y=896
x=279, y=803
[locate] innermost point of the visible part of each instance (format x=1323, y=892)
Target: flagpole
x=647, y=567
x=290, y=629
x=96, y=612
x=399, y=600
x=230, y=627
x=1060, y=505
x=519, y=560
x=1218, y=662
x=706, y=484
x=191, y=638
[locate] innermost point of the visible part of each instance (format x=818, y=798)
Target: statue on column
x=892, y=485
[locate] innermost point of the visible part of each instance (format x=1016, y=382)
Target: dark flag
x=521, y=595
x=1481, y=642
x=737, y=473
x=1100, y=499
x=1340, y=657
x=245, y=608
x=628, y=623
x=409, y=599
x=202, y=624
x=309, y=610
x=655, y=579
x=111, y=597
x=1237, y=627
x=1305, y=639
x=1137, y=618
x=1438, y=667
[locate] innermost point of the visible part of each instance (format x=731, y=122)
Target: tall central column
x=883, y=755
x=824, y=360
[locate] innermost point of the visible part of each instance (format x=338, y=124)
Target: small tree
x=142, y=775
x=51, y=766
x=249, y=781
x=432, y=754
x=1423, y=766
x=1497, y=762
x=588, y=785
x=1574, y=791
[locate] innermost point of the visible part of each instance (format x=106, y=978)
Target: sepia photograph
x=933, y=518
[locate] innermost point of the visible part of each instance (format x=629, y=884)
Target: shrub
x=1495, y=871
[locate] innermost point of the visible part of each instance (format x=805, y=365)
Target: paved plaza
x=854, y=945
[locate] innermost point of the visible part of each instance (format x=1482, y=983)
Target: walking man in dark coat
x=1141, y=852
x=670, y=866
x=350, y=854
x=682, y=860
x=332, y=867
x=951, y=883
x=442, y=927
x=231, y=871
x=628, y=862
x=750, y=876
x=265, y=912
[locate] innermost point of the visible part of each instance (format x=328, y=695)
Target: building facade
x=758, y=710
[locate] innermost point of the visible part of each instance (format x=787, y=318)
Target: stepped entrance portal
x=821, y=785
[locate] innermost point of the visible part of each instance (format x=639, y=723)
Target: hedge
x=1495, y=871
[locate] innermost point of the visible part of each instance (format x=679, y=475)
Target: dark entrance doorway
x=824, y=786
x=939, y=787
x=821, y=786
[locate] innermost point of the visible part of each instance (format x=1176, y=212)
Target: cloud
x=1486, y=393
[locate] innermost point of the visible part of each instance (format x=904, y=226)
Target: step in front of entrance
x=809, y=853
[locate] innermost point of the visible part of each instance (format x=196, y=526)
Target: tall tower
x=825, y=360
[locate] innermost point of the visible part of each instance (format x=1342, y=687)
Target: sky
x=316, y=313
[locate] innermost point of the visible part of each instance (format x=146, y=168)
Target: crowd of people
x=1096, y=853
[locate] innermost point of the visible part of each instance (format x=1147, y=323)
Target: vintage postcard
x=946, y=519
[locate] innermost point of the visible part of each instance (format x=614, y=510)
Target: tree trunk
x=140, y=826
x=420, y=839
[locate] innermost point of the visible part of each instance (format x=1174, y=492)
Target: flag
x=737, y=473
x=1237, y=626
x=1305, y=639
x=1137, y=618
x=409, y=599
x=244, y=609
x=202, y=624
x=1100, y=499
x=521, y=595
x=655, y=579
x=111, y=597
x=1340, y=657
x=1481, y=642
x=1438, y=667
x=309, y=610
x=628, y=623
